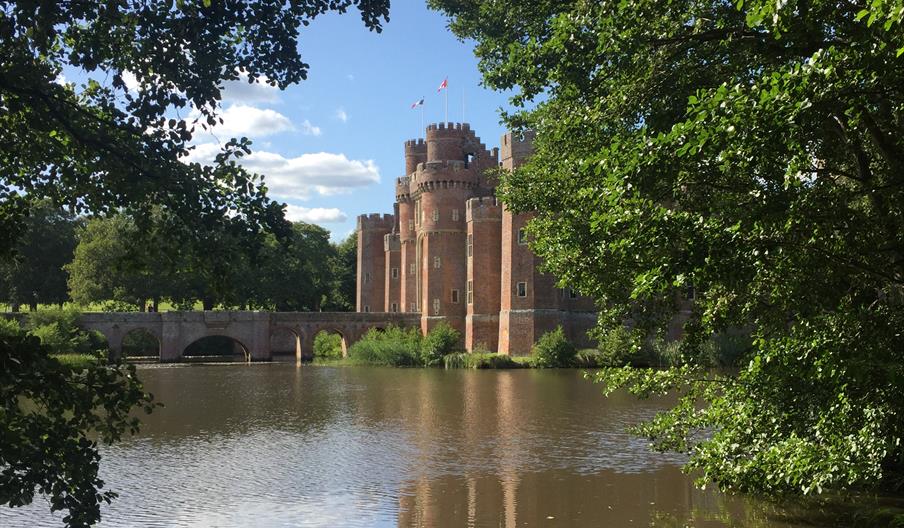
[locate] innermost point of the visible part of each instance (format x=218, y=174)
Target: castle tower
x=530, y=302
x=482, y=292
x=371, y=283
x=453, y=173
x=415, y=153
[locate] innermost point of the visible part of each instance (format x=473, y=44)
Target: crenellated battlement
x=515, y=149
x=416, y=144
x=376, y=221
x=483, y=208
x=444, y=165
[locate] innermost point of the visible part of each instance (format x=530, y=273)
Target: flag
x=418, y=103
x=443, y=85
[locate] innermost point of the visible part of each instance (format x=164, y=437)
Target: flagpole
x=421, y=131
x=463, y=104
x=446, y=97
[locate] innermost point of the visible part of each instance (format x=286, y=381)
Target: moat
x=270, y=445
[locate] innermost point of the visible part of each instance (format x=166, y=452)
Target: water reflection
x=275, y=445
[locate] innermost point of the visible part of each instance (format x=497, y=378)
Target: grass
x=483, y=360
x=76, y=360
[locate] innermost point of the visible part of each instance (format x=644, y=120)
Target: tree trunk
x=155, y=304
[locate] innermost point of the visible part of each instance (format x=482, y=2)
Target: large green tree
x=755, y=151
x=344, y=269
x=99, y=147
x=34, y=272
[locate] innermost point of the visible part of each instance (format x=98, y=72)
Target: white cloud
x=131, y=81
x=241, y=91
x=300, y=177
x=342, y=115
x=314, y=215
x=308, y=129
x=243, y=120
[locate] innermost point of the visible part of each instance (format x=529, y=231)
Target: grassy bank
x=76, y=360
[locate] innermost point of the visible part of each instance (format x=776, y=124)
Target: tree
x=114, y=263
x=101, y=148
x=344, y=269
x=34, y=272
x=751, y=151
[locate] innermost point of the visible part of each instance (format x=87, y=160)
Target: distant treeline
x=125, y=262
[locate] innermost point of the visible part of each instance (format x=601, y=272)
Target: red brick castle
x=453, y=253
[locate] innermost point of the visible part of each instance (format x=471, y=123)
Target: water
x=272, y=445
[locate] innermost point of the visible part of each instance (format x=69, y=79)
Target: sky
x=332, y=146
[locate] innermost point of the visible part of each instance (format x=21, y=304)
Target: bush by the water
x=59, y=330
x=620, y=346
x=553, y=350
x=394, y=346
x=441, y=340
x=480, y=360
x=328, y=345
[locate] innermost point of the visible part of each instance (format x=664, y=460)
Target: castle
x=453, y=253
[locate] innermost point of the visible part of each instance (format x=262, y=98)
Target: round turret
x=415, y=152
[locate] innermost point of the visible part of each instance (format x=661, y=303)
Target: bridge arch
x=278, y=342
x=140, y=341
x=217, y=347
x=343, y=334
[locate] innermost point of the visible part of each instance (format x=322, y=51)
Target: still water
x=272, y=445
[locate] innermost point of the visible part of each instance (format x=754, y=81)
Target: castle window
x=455, y=215
x=395, y=273
x=522, y=236
x=470, y=245
x=410, y=225
x=436, y=215
x=435, y=306
x=470, y=292
x=522, y=289
x=413, y=307
x=394, y=307
x=366, y=276
x=436, y=262
x=455, y=296
x=366, y=308
x=411, y=269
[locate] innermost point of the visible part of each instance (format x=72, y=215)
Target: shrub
x=328, y=345
x=553, y=350
x=619, y=347
x=588, y=358
x=59, y=331
x=479, y=360
x=9, y=327
x=393, y=347
x=441, y=340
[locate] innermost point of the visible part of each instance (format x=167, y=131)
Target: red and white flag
x=443, y=85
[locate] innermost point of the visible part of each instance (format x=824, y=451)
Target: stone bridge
x=175, y=331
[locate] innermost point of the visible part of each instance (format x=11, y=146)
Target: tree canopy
x=35, y=274
x=751, y=150
x=100, y=148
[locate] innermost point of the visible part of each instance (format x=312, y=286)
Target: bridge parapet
x=175, y=331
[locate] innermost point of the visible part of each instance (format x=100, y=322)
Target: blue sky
x=332, y=146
